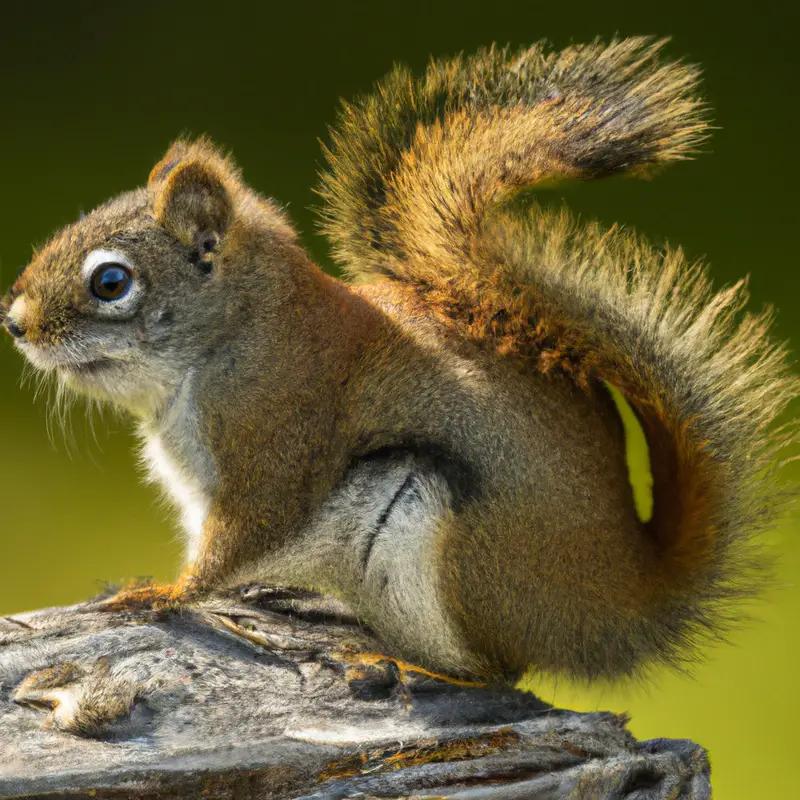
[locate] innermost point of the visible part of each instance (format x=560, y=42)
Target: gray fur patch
x=372, y=544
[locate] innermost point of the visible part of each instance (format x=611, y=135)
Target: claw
x=407, y=672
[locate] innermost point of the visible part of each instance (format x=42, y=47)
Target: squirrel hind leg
x=566, y=598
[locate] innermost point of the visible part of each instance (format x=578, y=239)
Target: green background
x=92, y=93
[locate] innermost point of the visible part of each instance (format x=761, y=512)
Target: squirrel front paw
x=152, y=596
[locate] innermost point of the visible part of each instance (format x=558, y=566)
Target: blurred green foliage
x=92, y=93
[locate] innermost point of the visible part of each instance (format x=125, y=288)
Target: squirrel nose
x=15, y=330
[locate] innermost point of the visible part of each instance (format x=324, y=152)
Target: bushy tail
x=417, y=175
x=416, y=167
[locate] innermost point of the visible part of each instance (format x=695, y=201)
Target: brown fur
x=477, y=341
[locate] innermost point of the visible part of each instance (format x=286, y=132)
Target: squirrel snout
x=13, y=328
x=13, y=319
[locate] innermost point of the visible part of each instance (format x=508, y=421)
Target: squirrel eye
x=111, y=282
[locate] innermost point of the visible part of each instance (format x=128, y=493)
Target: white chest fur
x=183, y=487
x=175, y=457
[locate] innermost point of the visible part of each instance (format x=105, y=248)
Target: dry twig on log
x=271, y=693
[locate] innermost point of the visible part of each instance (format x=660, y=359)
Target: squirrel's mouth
x=50, y=359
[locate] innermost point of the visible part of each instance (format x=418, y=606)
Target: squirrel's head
x=123, y=302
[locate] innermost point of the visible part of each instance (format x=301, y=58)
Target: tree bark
x=276, y=693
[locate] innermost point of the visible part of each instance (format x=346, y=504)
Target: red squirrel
x=436, y=440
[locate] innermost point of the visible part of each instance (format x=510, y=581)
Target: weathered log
x=273, y=693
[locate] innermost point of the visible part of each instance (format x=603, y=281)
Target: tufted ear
x=193, y=190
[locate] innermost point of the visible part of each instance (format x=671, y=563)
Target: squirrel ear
x=192, y=188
